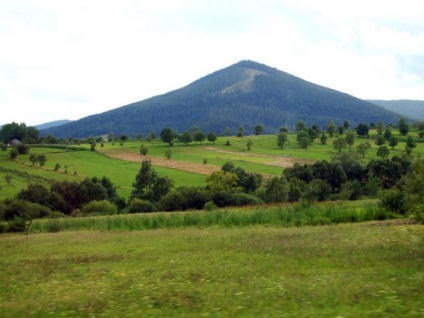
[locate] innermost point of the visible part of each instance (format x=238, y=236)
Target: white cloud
x=70, y=59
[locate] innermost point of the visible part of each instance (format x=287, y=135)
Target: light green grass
x=362, y=270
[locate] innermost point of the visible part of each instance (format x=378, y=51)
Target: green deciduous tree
x=403, y=126
x=331, y=129
x=282, y=139
x=362, y=130
x=383, y=152
x=259, y=129
x=211, y=137
x=167, y=135
x=363, y=148
x=393, y=141
x=350, y=139
x=339, y=144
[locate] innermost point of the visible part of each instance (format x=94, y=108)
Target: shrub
x=3, y=146
x=210, y=206
x=138, y=205
x=393, y=200
x=22, y=149
x=173, y=201
x=103, y=207
x=245, y=199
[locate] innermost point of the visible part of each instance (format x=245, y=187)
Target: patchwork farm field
x=353, y=270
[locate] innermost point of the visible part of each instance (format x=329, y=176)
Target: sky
x=71, y=59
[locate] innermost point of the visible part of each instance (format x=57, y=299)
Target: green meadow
x=352, y=270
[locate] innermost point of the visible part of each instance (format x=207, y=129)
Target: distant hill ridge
x=52, y=124
x=244, y=94
x=408, y=108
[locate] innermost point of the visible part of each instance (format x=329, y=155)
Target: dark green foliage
x=211, y=136
x=362, y=130
x=277, y=190
x=410, y=142
x=33, y=158
x=22, y=149
x=41, y=160
x=403, y=126
x=149, y=185
x=103, y=207
x=340, y=130
x=350, y=139
x=301, y=172
x=21, y=132
x=199, y=136
x=331, y=128
x=387, y=133
x=3, y=146
x=249, y=144
x=143, y=150
x=297, y=187
x=143, y=206
x=393, y=200
x=393, y=142
x=351, y=190
x=172, y=201
x=259, y=129
x=339, y=144
x=185, y=137
x=241, y=199
x=274, y=99
x=363, y=148
x=300, y=126
x=167, y=135
x=316, y=190
x=389, y=172
x=383, y=152
x=228, y=166
x=13, y=154
x=240, y=131
x=380, y=127
x=282, y=139
x=380, y=140
x=323, y=138
x=195, y=197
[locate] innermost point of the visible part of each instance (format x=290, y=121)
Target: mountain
x=52, y=124
x=246, y=93
x=408, y=108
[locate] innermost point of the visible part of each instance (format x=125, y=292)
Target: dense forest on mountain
x=407, y=108
x=244, y=94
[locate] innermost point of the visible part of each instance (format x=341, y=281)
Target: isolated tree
x=186, y=137
x=403, y=126
x=362, y=130
x=282, y=139
x=13, y=154
x=340, y=130
x=168, y=153
x=379, y=140
x=123, y=137
x=149, y=185
x=259, y=129
x=33, y=158
x=410, y=142
x=421, y=129
x=380, y=127
x=363, y=148
x=227, y=131
x=350, y=139
x=56, y=167
x=323, y=138
x=346, y=125
x=331, y=128
x=240, y=131
x=199, y=136
x=167, y=135
x=143, y=150
x=284, y=129
x=249, y=144
x=339, y=144
x=387, y=134
x=304, y=143
x=383, y=152
x=42, y=160
x=393, y=142
x=300, y=125
x=211, y=137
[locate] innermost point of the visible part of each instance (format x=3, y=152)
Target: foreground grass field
x=362, y=270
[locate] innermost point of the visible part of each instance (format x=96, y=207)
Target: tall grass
x=285, y=216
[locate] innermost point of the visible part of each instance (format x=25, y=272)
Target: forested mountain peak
x=244, y=94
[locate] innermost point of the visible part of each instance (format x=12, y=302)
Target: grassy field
x=361, y=270
x=186, y=166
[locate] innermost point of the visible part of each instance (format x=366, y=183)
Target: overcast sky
x=71, y=59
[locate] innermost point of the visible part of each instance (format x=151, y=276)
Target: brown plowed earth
x=277, y=161
x=205, y=169
x=173, y=164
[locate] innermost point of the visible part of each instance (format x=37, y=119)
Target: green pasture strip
x=350, y=270
x=288, y=215
x=181, y=178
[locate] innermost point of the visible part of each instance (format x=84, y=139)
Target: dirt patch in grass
x=277, y=161
x=199, y=168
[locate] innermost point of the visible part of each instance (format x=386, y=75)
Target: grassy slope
x=360, y=270
x=122, y=174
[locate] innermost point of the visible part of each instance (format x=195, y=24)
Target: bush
x=246, y=199
x=22, y=149
x=103, y=207
x=418, y=213
x=210, y=206
x=393, y=200
x=173, y=201
x=138, y=205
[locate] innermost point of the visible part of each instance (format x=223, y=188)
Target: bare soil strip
x=200, y=168
x=277, y=161
x=205, y=169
